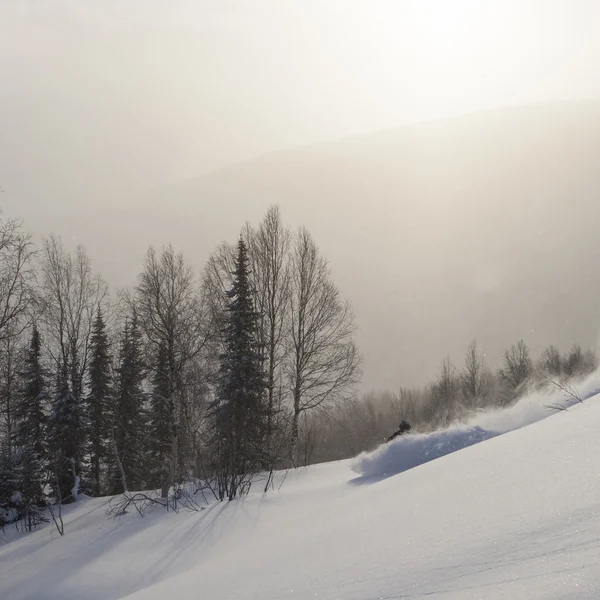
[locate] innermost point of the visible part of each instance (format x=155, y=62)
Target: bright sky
x=118, y=94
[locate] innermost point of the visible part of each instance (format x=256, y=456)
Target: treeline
x=456, y=394
x=180, y=378
x=247, y=367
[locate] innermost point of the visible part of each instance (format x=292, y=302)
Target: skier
x=402, y=429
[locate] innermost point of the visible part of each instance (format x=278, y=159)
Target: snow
x=514, y=516
x=409, y=451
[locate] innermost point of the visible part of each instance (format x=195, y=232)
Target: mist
x=104, y=96
x=381, y=126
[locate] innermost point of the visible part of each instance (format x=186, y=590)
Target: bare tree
x=58, y=520
x=16, y=278
x=9, y=366
x=269, y=250
x=69, y=298
x=475, y=378
x=323, y=362
x=308, y=435
x=196, y=392
x=217, y=279
x=172, y=316
x=118, y=462
x=578, y=363
x=570, y=391
x=517, y=368
x=445, y=393
x=551, y=361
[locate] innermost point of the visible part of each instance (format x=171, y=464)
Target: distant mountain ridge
x=480, y=226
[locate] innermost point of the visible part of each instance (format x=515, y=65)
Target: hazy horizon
x=111, y=116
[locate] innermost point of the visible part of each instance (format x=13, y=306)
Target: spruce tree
x=8, y=483
x=67, y=439
x=162, y=417
x=31, y=432
x=240, y=413
x=128, y=434
x=98, y=400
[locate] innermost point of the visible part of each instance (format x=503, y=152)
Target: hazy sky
x=101, y=96
x=104, y=101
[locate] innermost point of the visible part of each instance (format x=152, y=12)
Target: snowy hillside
x=515, y=516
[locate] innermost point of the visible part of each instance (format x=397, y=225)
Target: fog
x=122, y=94
x=128, y=123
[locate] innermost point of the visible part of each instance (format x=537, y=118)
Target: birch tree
x=69, y=297
x=475, y=378
x=445, y=393
x=270, y=261
x=16, y=278
x=171, y=315
x=323, y=362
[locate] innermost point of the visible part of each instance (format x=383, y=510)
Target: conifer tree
x=240, y=413
x=162, y=418
x=67, y=439
x=98, y=399
x=31, y=432
x=128, y=430
x=70, y=296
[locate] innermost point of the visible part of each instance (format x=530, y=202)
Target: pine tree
x=31, y=432
x=67, y=437
x=98, y=400
x=8, y=483
x=240, y=412
x=161, y=417
x=129, y=426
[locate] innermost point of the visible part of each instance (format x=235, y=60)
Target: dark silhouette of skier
x=402, y=429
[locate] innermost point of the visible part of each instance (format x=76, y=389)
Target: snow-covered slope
x=515, y=516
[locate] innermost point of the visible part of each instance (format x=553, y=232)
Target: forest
x=207, y=379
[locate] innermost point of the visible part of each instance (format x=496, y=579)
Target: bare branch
x=323, y=363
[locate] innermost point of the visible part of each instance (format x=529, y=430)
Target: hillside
x=479, y=226
x=513, y=516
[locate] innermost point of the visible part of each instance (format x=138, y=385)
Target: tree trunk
x=96, y=474
x=119, y=465
x=295, y=429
